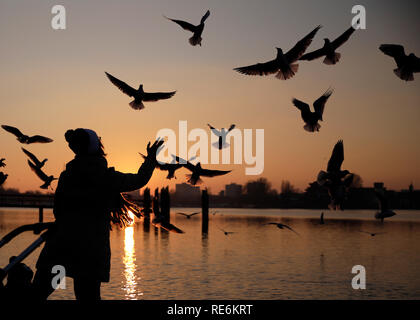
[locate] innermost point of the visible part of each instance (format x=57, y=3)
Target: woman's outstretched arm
x=125, y=182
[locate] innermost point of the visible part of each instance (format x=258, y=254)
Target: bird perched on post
x=46, y=179
x=328, y=50
x=139, y=95
x=407, y=65
x=336, y=180
x=196, y=30
x=22, y=138
x=283, y=64
x=384, y=210
x=35, y=161
x=222, y=136
x=311, y=118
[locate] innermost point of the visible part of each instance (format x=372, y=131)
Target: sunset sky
x=53, y=80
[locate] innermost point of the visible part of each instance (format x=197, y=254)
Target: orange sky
x=54, y=80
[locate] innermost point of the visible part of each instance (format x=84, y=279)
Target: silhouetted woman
x=86, y=201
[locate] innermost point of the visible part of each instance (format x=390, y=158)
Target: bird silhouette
x=321, y=219
x=35, y=161
x=281, y=226
x=139, y=95
x=22, y=138
x=283, y=64
x=336, y=180
x=226, y=232
x=188, y=215
x=197, y=172
x=371, y=233
x=328, y=50
x=407, y=65
x=384, y=210
x=46, y=179
x=196, y=30
x=170, y=167
x=311, y=118
x=2, y=163
x=3, y=178
x=222, y=133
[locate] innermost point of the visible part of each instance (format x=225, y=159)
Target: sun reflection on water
x=130, y=285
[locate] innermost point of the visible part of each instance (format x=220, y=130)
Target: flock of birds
x=285, y=66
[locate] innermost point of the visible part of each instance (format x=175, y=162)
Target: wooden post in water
x=165, y=205
x=205, y=212
x=41, y=214
x=147, y=209
x=156, y=209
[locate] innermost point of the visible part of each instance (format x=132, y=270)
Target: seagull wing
x=156, y=96
x=212, y=173
x=313, y=55
x=187, y=165
x=32, y=157
x=184, y=25
x=13, y=130
x=206, y=15
x=259, y=69
x=39, y=139
x=38, y=171
x=287, y=227
x=214, y=130
x=364, y=232
x=319, y=104
x=130, y=91
x=184, y=214
x=193, y=214
x=394, y=50
x=231, y=127
x=302, y=106
x=343, y=38
x=299, y=49
x=337, y=157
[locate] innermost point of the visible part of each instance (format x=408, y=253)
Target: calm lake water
x=257, y=261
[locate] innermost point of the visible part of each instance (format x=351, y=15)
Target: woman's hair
x=80, y=142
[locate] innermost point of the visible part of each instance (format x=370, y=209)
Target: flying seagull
x=283, y=63
x=372, y=234
x=384, y=210
x=46, y=179
x=197, y=172
x=22, y=138
x=170, y=167
x=3, y=178
x=336, y=180
x=188, y=215
x=2, y=164
x=35, y=161
x=196, y=30
x=282, y=226
x=407, y=65
x=222, y=136
x=328, y=50
x=139, y=95
x=311, y=118
x=226, y=232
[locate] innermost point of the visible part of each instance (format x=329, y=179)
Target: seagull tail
x=332, y=60
x=194, y=40
x=288, y=73
x=136, y=105
x=404, y=74
x=312, y=127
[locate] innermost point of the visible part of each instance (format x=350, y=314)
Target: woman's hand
x=153, y=150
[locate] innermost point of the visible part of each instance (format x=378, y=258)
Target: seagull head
x=279, y=50
x=326, y=40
